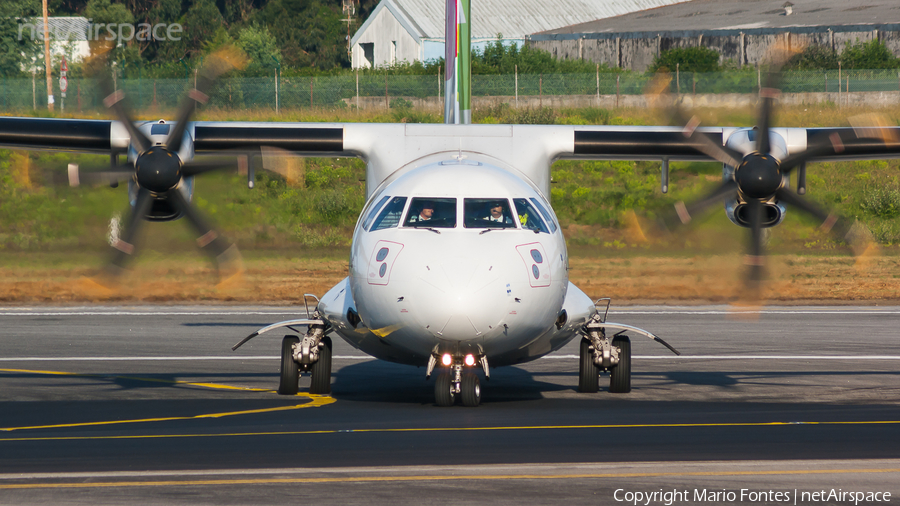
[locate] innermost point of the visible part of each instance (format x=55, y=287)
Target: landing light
x=470, y=360
x=446, y=359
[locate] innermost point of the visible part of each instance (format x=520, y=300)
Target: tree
x=309, y=32
x=260, y=47
x=687, y=59
x=868, y=55
x=102, y=11
x=17, y=51
x=814, y=57
x=201, y=22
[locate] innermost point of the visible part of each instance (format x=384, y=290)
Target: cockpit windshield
x=529, y=216
x=431, y=213
x=390, y=216
x=488, y=213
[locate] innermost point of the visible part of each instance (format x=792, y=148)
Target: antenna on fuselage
x=458, y=62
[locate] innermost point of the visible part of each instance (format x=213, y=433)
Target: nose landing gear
x=457, y=380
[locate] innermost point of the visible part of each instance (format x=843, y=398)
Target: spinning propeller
x=159, y=168
x=761, y=176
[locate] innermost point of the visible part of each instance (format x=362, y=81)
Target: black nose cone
x=158, y=170
x=759, y=176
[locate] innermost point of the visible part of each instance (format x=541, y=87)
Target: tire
x=443, y=395
x=290, y=371
x=620, y=375
x=321, y=370
x=588, y=373
x=470, y=390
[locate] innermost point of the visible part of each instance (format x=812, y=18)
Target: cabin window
x=374, y=212
x=390, y=215
x=431, y=213
x=545, y=213
x=488, y=213
x=529, y=216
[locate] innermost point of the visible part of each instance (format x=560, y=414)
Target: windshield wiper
x=436, y=231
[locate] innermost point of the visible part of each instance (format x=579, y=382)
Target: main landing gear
x=457, y=378
x=600, y=353
x=311, y=354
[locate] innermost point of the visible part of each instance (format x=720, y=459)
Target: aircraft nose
x=461, y=299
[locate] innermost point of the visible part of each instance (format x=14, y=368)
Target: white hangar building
x=413, y=30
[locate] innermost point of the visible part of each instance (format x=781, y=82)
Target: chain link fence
x=342, y=90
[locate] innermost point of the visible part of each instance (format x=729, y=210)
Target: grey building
x=413, y=30
x=741, y=30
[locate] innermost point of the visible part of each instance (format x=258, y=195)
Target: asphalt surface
x=112, y=405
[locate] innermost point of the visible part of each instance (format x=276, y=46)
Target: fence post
x=598, y=84
x=517, y=86
x=387, y=103
x=826, y=80
x=78, y=91
x=677, y=79
x=541, y=91
x=357, y=91
x=311, y=92
x=34, y=92
x=840, y=78
x=617, y=91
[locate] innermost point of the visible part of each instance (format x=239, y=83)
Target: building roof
x=424, y=19
x=61, y=28
x=744, y=14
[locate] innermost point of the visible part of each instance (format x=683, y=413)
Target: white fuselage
x=459, y=286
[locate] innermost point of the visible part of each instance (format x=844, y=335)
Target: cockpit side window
x=431, y=213
x=487, y=213
x=529, y=217
x=546, y=214
x=390, y=215
x=374, y=212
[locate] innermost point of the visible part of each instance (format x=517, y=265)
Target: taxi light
x=470, y=359
x=446, y=359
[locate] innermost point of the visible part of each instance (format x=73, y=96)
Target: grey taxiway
x=125, y=404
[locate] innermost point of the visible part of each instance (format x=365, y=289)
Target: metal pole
x=517, y=86
x=840, y=78
x=598, y=84
x=357, y=91
x=617, y=91
x=48, y=69
x=34, y=90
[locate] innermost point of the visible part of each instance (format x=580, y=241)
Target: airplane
x=434, y=281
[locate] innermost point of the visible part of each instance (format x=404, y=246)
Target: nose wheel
x=454, y=383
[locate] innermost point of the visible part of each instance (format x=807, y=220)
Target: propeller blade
x=225, y=254
x=219, y=62
x=115, y=99
x=833, y=144
x=767, y=97
x=755, y=258
x=830, y=222
x=78, y=177
x=198, y=166
x=123, y=247
x=685, y=213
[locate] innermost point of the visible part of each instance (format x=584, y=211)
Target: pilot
x=495, y=213
x=425, y=214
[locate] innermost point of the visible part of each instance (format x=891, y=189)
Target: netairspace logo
x=119, y=32
x=747, y=496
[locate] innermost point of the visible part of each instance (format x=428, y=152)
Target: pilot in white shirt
x=496, y=213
